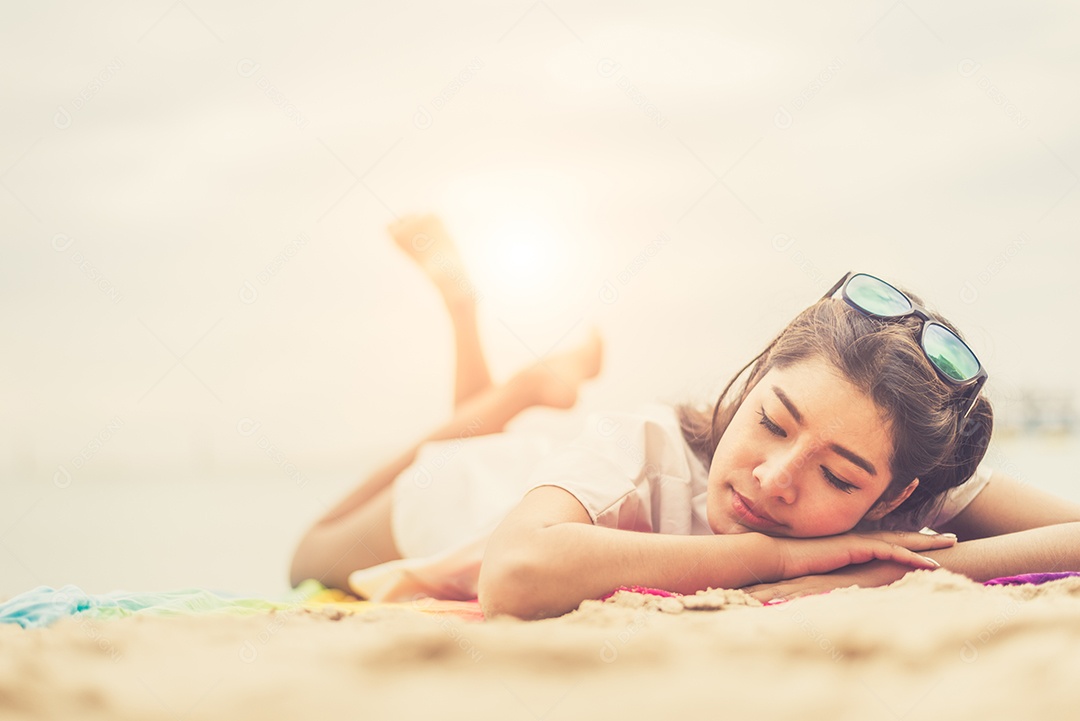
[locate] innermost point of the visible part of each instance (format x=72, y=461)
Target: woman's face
x=807, y=454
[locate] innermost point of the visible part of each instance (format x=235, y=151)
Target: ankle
x=526, y=386
x=538, y=385
x=461, y=305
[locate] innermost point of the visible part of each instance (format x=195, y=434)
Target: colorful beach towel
x=44, y=606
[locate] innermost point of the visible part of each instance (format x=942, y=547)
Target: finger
x=764, y=592
x=937, y=540
x=882, y=550
x=892, y=552
x=769, y=597
x=921, y=541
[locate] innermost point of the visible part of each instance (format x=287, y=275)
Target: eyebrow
x=850, y=455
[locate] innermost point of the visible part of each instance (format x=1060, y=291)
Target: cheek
x=726, y=464
x=735, y=448
x=825, y=514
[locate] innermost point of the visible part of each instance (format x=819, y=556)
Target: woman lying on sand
x=861, y=423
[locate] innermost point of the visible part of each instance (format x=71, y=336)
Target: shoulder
x=1009, y=505
x=955, y=500
x=617, y=458
x=652, y=428
x=942, y=509
x=653, y=416
x=659, y=415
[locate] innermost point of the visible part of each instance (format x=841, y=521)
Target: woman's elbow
x=516, y=584
x=500, y=586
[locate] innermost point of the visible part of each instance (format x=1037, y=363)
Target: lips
x=745, y=510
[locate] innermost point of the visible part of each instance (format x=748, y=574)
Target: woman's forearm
x=1046, y=549
x=576, y=561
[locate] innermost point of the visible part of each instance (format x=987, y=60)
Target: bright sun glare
x=522, y=259
x=523, y=239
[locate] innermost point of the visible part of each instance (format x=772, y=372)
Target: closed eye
x=776, y=430
x=768, y=423
x=839, y=483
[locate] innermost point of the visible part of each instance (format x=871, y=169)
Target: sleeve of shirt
x=607, y=468
x=958, y=498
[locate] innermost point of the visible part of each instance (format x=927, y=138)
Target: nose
x=777, y=476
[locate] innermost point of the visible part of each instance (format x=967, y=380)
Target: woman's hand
x=865, y=575
x=810, y=556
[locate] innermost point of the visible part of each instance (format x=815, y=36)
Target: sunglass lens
x=950, y=354
x=876, y=296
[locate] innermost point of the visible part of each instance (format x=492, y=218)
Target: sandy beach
x=933, y=644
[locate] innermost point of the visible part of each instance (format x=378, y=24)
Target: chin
x=720, y=524
x=716, y=520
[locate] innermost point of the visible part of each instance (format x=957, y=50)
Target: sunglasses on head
x=947, y=352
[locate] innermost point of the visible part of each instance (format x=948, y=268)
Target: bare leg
x=356, y=533
x=426, y=240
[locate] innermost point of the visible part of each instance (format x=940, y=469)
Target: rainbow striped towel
x=44, y=606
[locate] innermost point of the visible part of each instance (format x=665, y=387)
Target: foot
x=425, y=239
x=555, y=380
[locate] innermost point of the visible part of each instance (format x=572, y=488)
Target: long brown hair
x=882, y=359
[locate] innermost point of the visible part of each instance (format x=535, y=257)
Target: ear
x=884, y=508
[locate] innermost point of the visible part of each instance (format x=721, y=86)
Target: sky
x=194, y=196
